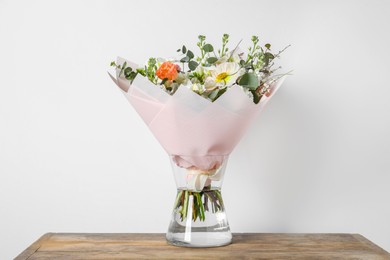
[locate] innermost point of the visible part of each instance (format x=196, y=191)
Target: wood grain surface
x=61, y=246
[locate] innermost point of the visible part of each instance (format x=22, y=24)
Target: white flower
x=210, y=84
x=181, y=78
x=226, y=74
x=199, y=70
x=203, y=71
x=198, y=88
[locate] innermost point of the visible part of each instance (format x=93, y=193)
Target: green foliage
x=141, y=71
x=249, y=80
x=150, y=70
x=257, y=68
x=192, y=65
x=215, y=94
x=185, y=59
x=256, y=96
x=208, y=48
x=122, y=68
x=163, y=81
x=129, y=73
x=190, y=54
x=268, y=57
x=212, y=60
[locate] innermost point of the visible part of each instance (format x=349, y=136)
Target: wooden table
x=60, y=246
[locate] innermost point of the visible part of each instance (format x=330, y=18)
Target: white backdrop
x=75, y=156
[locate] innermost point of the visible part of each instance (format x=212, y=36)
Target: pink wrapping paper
x=196, y=132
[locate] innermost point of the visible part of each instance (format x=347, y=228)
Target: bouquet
x=198, y=106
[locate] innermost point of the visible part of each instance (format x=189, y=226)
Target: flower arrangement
x=211, y=74
x=207, y=103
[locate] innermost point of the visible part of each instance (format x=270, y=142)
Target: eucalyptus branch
x=235, y=48
x=275, y=78
x=278, y=54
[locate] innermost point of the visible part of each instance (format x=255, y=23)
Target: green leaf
x=249, y=80
x=190, y=54
x=215, y=94
x=185, y=206
x=122, y=68
x=242, y=63
x=163, y=81
x=208, y=48
x=178, y=50
x=185, y=59
x=212, y=60
x=141, y=71
x=268, y=46
x=268, y=57
x=184, y=49
x=152, y=61
x=192, y=65
x=256, y=97
x=127, y=71
x=133, y=75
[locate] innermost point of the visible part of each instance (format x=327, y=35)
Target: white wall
x=75, y=156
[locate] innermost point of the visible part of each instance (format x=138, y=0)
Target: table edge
x=34, y=247
x=29, y=251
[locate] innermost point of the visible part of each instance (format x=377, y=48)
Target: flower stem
x=200, y=203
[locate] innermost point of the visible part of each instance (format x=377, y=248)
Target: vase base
x=200, y=239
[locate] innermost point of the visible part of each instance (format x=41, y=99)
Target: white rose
x=210, y=84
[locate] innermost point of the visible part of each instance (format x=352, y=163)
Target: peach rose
x=168, y=70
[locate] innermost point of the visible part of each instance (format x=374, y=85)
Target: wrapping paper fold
x=196, y=132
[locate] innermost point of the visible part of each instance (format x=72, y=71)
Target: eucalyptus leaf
x=249, y=80
x=127, y=71
x=190, y=54
x=268, y=57
x=185, y=59
x=132, y=76
x=184, y=49
x=192, y=65
x=212, y=60
x=208, y=48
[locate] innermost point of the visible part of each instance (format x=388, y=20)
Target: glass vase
x=199, y=217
